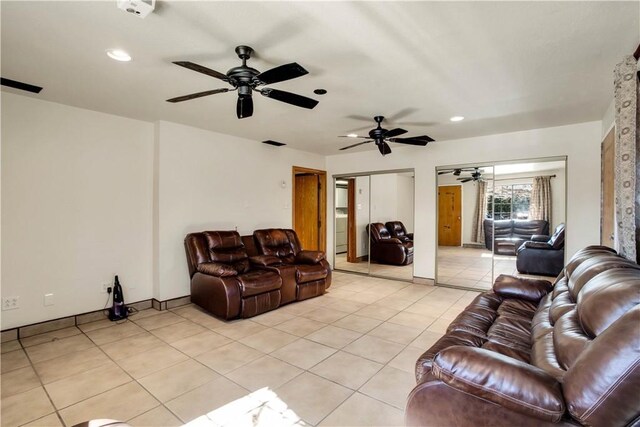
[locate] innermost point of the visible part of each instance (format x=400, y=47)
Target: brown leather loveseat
x=233, y=276
x=386, y=249
x=532, y=354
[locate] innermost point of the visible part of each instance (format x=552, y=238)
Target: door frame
x=610, y=138
x=352, y=250
x=322, y=208
x=461, y=210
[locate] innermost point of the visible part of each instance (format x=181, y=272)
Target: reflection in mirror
x=391, y=225
x=526, y=218
x=462, y=258
x=351, y=219
x=501, y=219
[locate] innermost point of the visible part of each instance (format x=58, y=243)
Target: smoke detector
x=139, y=8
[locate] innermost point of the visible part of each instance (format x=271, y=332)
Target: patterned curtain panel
x=627, y=164
x=540, y=205
x=477, y=229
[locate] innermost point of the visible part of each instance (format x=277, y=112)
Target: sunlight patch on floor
x=262, y=408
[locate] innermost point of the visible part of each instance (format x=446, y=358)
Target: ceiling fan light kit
x=246, y=80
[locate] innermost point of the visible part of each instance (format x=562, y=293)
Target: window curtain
x=627, y=163
x=540, y=204
x=477, y=229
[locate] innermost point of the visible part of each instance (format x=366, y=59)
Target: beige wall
x=76, y=208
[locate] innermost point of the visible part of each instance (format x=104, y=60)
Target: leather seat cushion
x=517, y=308
x=310, y=273
x=511, y=331
x=258, y=282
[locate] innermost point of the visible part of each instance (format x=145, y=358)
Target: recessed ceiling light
x=352, y=135
x=456, y=118
x=118, y=55
x=320, y=91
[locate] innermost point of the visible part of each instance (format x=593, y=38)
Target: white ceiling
x=505, y=66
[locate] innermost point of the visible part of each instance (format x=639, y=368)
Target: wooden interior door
x=450, y=215
x=607, y=217
x=307, y=210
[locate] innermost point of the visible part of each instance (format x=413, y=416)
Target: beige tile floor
x=401, y=272
x=342, y=359
x=471, y=268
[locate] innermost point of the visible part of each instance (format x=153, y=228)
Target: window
x=509, y=201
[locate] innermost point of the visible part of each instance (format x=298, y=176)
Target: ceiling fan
x=456, y=171
x=475, y=174
x=382, y=136
x=245, y=80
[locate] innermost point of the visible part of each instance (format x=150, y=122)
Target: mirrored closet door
x=488, y=212
x=373, y=228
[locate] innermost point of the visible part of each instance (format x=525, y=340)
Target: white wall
x=211, y=181
x=76, y=208
x=384, y=198
x=579, y=142
x=405, y=201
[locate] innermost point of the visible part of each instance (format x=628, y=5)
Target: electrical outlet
x=105, y=287
x=10, y=303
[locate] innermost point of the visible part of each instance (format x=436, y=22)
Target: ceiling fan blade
x=465, y=179
x=197, y=95
x=394, y=132
x=410, y=141
x=203, y=70
x=444, y=172
x=289, y=98
x=361, y=118
x=244, y=107
x=355, y=145
x=357, y=136
x=384, y=148
x=401, y=114
x=282, y=73
x=426, y=138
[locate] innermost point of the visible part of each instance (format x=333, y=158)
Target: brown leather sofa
x=386, y=249
x=305, y=274
x=532, y=354
x=398, y=230
x=510, y=234
x=231, y=278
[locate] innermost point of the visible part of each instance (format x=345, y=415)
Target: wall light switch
x=359, y=206
x=48, y=299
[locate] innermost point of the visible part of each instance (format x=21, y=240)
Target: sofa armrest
x=505, y=381
x=519, y=287
x=264, y=260
x=540, y=238
x=391, y=241
x=537, y=245
x=216, y=269
x=309, y=257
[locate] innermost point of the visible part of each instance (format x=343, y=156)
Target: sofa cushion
x=510, y=383
x=258, y=282
x=520, y=287
x=603, y=385
x=282, y=243
x=310, y=257
x=607, y=297
x=216, y=269
x=226, y=247
x=310, y=273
